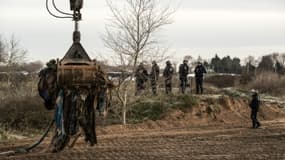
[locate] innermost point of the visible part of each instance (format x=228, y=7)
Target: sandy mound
x=211, y=110
x=224, y=110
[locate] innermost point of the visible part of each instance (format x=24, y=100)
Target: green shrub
x=145, y=111
x=187, y=102
x=152, y=108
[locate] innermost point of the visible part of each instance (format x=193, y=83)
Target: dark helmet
x=254, y=93
x=153, y=62
x=168, y=62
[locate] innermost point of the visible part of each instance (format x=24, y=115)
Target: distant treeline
x=226, y=65
x=269, y=63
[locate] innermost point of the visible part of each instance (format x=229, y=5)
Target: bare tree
x=283, y=59
x=131, y=35
x=190, y=60
x=2, y=51
x=249, y=61
x=32, y=67
x=15, y=54
x=14, y=57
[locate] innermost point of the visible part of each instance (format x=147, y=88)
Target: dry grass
x=222, y=81
x=268, y=82
x=21, y=108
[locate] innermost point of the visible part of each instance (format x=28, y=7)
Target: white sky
x=201, y=27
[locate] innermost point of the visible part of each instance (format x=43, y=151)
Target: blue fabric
x=59, y=112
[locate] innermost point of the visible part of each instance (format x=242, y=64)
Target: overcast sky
x=201, y=27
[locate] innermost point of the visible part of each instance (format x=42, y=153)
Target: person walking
x=254, y=105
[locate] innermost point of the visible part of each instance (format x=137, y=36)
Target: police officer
x=199, y=74
x=154, y=75
x=167, y=74
x=183, y=73
x=254, y=105
x=141, y=77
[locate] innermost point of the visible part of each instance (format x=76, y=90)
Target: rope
x=29, y=148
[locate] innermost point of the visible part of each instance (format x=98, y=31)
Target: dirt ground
x=215, y=129
x=203, y=143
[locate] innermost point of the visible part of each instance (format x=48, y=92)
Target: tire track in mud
x=203, y=143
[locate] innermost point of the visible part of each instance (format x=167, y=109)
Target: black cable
x=54, y=5
x=54, y=14
x=29, y=148
x=41, y=139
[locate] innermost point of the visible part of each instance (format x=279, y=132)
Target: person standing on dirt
x=168, y=74
x=183, y=73
x=254, y=105
x=154, y=75
x=141, y=77
x=199, y=76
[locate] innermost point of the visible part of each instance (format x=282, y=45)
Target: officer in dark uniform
x=183, y=73
x=154, y=75
x=168, y=74
x=199, y=75
x=254, y=105
x=141, y=77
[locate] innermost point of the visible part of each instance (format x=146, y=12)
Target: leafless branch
x=131, y=36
